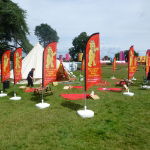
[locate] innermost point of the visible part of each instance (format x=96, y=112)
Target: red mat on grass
x=120, y=83
x=104, y=83
x=75, y=96
x=111, y=89
x=29, y=89
x=77, y=87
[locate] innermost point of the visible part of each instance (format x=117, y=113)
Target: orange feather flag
x=131, y=66
x=114, y=64
x=5, y=66
x=17, y=65
x=147, y=62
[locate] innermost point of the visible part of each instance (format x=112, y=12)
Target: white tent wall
x=32, y=60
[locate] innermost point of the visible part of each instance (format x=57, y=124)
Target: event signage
x=92, y=61
x=17, y=65
x=114, y=64
x=83, y=65
x=49, y=64
x=147, y=62
x=131, y=65
x=5, y=66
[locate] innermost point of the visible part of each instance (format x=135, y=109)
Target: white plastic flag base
x=113, y=77
x=133, y=79
x=146, y=87
x=15, y=98
x=3, y=94
x=42, y=105
x=128, y=93
x=85, y=113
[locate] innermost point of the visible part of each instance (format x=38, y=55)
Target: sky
x=121, y=23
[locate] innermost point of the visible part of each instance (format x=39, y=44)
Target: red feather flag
x=92, y=61
x=5, y=66
x=49, y=64
x=147, y=62
x=135, y=63
x=83, y=65
x=131, y=66
x=17, y=65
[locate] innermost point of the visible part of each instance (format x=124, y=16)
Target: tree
x=106, y=58
x=79, y=45
x=13, y=27
x=117, y=56
x=46, y=34
x=126, y=52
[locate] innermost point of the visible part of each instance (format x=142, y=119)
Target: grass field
x=120, y=122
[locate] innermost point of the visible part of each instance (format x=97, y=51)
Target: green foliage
x=13, y=27
x=79, y=45
x=46, y=34
x=119, y=123
x=117, y=55
x=125, y=54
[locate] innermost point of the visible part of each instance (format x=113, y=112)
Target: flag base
x=133, y=79
x=128, y=93
x=145, y=87
x=2, y=94
x=42, y=105
x=85, y=113
x=113, y=77
x=15, y=98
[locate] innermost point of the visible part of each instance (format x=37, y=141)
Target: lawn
x=120, y=122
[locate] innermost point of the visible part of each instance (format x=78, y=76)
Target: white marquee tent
x=33, y=60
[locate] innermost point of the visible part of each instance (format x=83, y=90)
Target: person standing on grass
x=30, y=77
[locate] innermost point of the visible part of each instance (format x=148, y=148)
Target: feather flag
x=92, y=61
x=147, y=62
x=131, y=66
x=49, y=64
x=135, y=63
x=114, y=64
x=83, y=65
x=17, y=65
x=5, y=66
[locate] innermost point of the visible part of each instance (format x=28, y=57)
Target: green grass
x=120, y=122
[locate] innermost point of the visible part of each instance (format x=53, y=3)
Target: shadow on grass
x=38, y=98
x=71, y=105
x=10, y=93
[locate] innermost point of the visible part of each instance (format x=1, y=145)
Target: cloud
x=120, y=23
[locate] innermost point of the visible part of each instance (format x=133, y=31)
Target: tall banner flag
x=83, y=65
x=49, y=64
x=0, y=70
x=135, y=63
x=80, y=56
x=17, y=65
x=92, y=61
x=131, y=66
x=114, y=64
x=5, y=66
x=147, y=62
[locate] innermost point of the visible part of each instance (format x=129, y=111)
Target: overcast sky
x=121, y=23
